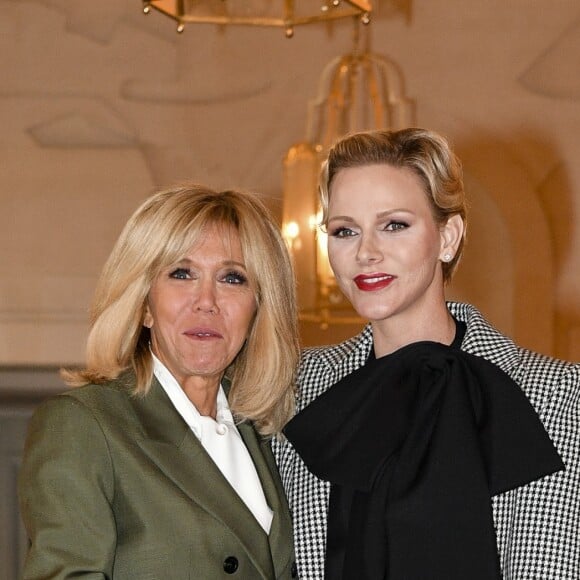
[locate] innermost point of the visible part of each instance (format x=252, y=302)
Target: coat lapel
x=280, y=536
x=169, y=443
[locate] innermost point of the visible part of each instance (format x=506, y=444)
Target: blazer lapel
x=280, y=536
x=169, y=442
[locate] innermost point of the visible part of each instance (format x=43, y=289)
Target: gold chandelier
x=285, y=14
x=358, y=91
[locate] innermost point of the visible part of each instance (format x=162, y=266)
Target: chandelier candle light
x=358, y=91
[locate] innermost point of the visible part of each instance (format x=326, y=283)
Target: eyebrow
x=227, y=263
x=380, y=215
x=344, y=218
x=234, y=263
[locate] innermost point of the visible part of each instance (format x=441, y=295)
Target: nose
x=205, y=297
x=368, y=251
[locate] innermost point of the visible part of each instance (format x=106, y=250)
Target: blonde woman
x=417, y=453
x=157, y=465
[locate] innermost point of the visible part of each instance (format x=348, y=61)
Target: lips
x=202, y=333
x=373, y=282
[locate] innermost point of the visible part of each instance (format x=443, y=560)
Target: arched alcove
x=509, y=271
x=486, y=277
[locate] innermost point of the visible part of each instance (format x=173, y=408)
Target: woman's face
x=383, y=243
x=200, y=309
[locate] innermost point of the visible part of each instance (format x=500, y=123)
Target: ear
x=147, y=317
x=451, y=235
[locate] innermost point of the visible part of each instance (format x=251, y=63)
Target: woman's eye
x=395, y=226
x=180, y=274
x=342, y=232
x=235, y=278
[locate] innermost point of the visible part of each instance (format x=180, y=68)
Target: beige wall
x=100, y=104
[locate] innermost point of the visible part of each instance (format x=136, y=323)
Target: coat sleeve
x=65, y=493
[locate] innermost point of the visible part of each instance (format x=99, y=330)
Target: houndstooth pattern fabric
x=537, y=525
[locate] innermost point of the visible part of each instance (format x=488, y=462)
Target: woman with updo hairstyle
x=430, y=446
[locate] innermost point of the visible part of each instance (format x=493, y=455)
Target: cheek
x=243, y=318
x=165, y=322
x=422, y=262
x=425, y=249
x=342, y=273
x=337, y=259
x=423, y=271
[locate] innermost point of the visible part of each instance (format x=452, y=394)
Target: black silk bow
x=414, y=445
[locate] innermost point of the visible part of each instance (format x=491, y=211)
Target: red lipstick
x=374, y=281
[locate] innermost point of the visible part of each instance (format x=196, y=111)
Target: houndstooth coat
x=537, y=525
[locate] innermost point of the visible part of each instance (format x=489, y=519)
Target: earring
x=447, y=257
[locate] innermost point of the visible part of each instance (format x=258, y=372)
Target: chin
x=372, y=307
x=373, y=314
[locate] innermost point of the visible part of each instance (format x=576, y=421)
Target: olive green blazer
x=115, y=486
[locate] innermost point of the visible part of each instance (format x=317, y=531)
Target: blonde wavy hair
x=160, y=233
x=425, y=153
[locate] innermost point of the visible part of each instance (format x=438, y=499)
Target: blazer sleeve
x=66, y=493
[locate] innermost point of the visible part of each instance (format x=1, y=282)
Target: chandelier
x=358, y=91
x=284, y=14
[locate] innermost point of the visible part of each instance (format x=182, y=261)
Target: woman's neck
x=399, y=331
x=202, y=392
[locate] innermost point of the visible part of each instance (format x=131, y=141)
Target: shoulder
x=537, y=362
x=70, y=429
x=553, y=385
x=100, y=403
x=320, y=367
x=96, y=394
x=330, y=356
x=539, y=375
x=482, y=339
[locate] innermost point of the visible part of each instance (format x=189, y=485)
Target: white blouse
x=222, y=441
